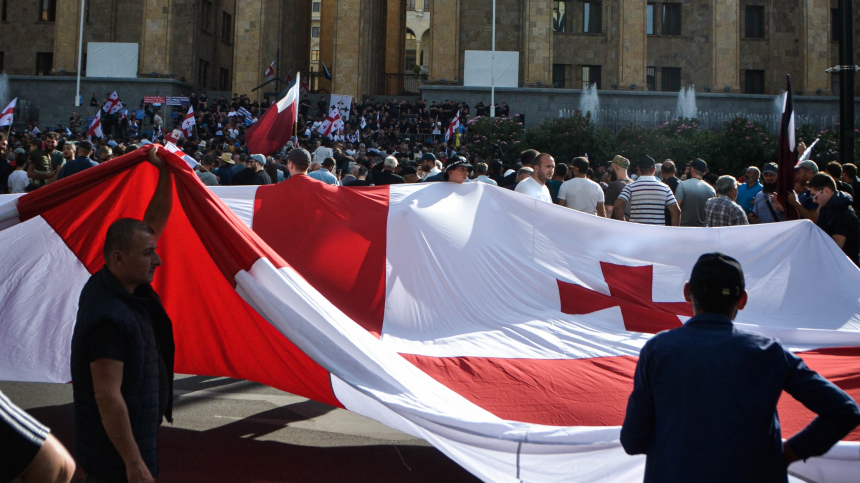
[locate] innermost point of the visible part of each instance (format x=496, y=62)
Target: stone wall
x=53, y=96
x=540, y=104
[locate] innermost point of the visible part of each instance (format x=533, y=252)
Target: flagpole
x=80, y=54
x=493, y=67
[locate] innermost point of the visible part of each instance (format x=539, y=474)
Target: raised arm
x=158, y=210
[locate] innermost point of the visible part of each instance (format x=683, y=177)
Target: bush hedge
x=728, y=150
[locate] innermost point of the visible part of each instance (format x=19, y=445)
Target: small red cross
x=631, y=289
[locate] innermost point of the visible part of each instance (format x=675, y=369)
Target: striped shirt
x=648, y=198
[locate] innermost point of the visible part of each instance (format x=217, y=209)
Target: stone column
x=248, y=65
x=357, y=68
x=395, y=45
x=445, y=41
x=632, y=45
x=816, y=54
x=326, y=40
x=66, y=33
x=726, y=45
x=537, y=43
x=155, y=37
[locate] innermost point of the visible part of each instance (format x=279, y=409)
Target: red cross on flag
x=501, y=329
x=188, y=123
x=96, y=127
x=452, y=129
x=113, y=104
x=8, y=114
x=329, y=127
x=270, y=72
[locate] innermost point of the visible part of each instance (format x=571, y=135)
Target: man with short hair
x=558, y=178
x=834, y=169
x=722, y=210
x=523, y=174
x=647, y=198
x=618, y=181
x=849, y=175
x=387, y=176
x=428, y=166
x=324, y=172
x=527, y=159
x=245, y=176
x=82, y=162
x=409, y=174
x=123, y=349
x=693, y=193
x=481, y=169
x=836, y=216
x=535, y=185
x=39, y=168
x=803, y=203
x=766, y=208
x=458, y=171
x=667, y=173
x=581, y=193
x=703, y=406
x=204, y=171
x=748, y=190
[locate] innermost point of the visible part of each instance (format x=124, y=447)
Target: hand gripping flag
x=8, y=114
x=188, y=123
x=527, y=383
x=96, y=127
x=270, y=72
x=455, y=124
x=275, y=128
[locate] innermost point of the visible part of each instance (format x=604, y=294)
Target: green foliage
x=741, y=144
x=505, y=132
x=567, y=138
x=828, y=147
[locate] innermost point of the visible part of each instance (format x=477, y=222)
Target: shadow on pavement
x=231, y=453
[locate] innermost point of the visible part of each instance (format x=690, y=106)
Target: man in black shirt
x=849, y=175
x=835, y=215
x=527, y=158
x=834, y=169
x=257, y=162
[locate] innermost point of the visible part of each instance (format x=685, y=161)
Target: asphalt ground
x=229, y=430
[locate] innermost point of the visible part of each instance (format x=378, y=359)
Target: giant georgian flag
x=501, y=329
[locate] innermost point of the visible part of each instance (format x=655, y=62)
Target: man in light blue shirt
x=324, y=174
x=748, y=190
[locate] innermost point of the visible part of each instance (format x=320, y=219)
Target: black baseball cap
x=646, y=162
x=717, y=275
x=428, y=157
x=85, y=145
x=301, y=156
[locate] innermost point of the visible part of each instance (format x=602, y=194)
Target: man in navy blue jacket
x=703, y=406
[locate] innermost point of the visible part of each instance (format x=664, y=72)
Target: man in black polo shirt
x=835, y=215
x=122, y=350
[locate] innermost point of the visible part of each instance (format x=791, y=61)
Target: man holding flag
x=275, y=128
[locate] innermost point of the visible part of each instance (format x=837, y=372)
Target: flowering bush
x=828, y=147
x=485, y=134
x=742, y=144
x=567, y=138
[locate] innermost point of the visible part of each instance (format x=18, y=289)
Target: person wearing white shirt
x=535, y=186
x=581, y=193
x=481, y=170
x=18, y=180
x=323, y=151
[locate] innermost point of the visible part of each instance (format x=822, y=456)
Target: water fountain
x=686, y=106
x=589, y=102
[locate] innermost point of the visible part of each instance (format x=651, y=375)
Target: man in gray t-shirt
x=619, y=166
x=692, y=195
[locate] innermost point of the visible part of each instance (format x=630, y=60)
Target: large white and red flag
x=452, y=128
x=330, y=126
x=517, y=364
x=96, y=127
x=274, y=129
x=8, y=114
x=188, y=123
x=113, y=104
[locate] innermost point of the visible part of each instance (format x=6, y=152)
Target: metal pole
x=846, y=82
x=80, y=54
x=493, y=67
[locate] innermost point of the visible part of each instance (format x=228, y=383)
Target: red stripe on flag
x=217, y=333
x=594, y=392
x=333, y=237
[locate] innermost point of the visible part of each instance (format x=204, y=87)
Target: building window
x=206, y=16
x=224, y=79
x=3, y=11
x=315, y=55
x=203, y=73
x=754, y=82
x=44, y=63
x=315, y=32
x=317, y=6
x=590, y=75
x=671, y=19
x=559, y=18
x=649, y=19
x=226, y=27
x=755, y=22
x=427, y=5
x=835, y=28
x=410, y=5
x=2, y=58
x=558, y=80
x=592, y=16
x=651, y=79
x=671, y=79
x=47, y=11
